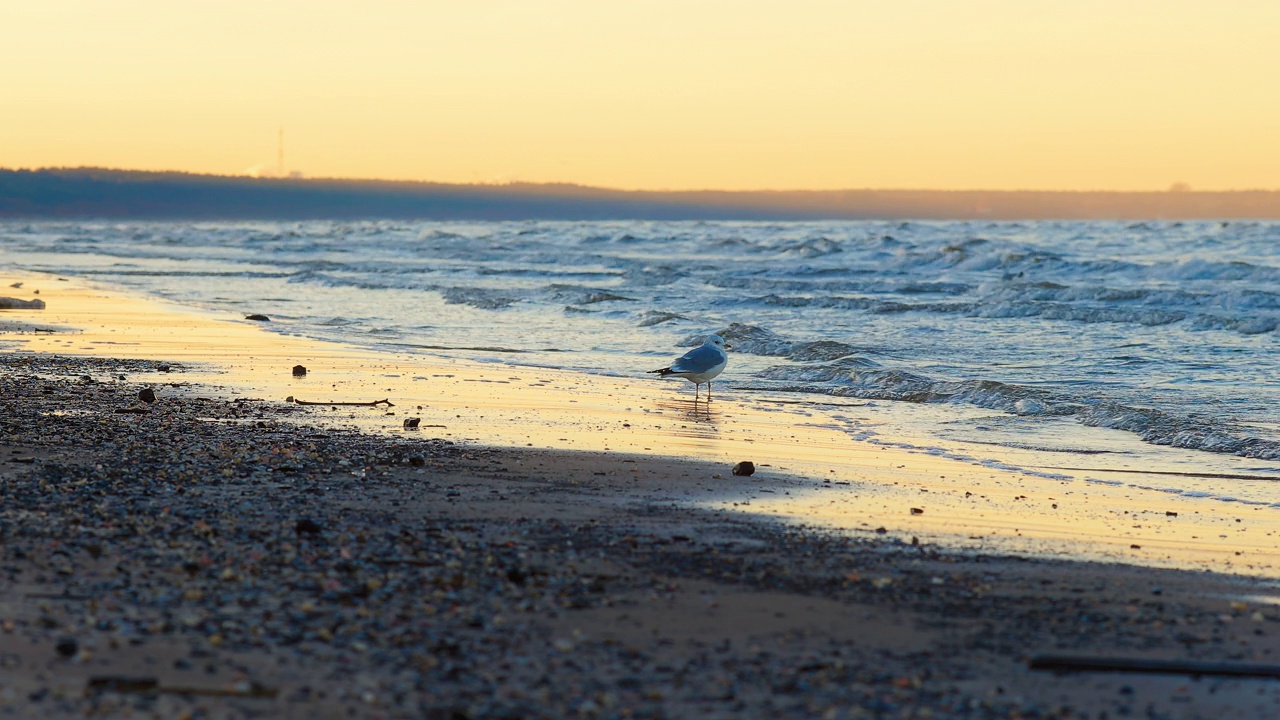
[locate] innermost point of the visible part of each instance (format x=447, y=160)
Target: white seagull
x=699, y=365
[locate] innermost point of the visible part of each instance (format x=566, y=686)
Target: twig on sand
x=373, y=403
x=1061, y=663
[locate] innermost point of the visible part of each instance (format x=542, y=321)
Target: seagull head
x=717, y=341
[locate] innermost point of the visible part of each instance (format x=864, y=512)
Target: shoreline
x=846, y=470
x=224, y=555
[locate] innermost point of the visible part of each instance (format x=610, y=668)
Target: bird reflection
x=697, y=418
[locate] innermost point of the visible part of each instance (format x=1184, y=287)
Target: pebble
x=744, y=468
x=307, y=526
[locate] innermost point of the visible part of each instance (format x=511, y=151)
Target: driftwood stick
x=358, y=404
x=1061, y=663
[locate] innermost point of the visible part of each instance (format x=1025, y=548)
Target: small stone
x=745, y=468
x=299, y=371
x=147, y=395
x=412, y=422
x=417, y=461
x=1171, y=513
x=67, y=646
x=881, y=530
x=259, y=318
x=163, y=368
x=917, y=511
x=307, y=526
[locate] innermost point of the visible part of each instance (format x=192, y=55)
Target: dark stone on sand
x=67, y=646
x=881, y=530
x=163, y=368
x=307, y=526
x=259, y=318
x=412, y=422
x=917, y=511
x=299, y=370
x=147, y=395
x=417, y=461
x=744, y=468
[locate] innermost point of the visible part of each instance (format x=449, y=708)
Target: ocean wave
x=578, y=295
x=861, y=378
x=480, y=298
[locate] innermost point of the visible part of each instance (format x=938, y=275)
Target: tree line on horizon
x=85, y=193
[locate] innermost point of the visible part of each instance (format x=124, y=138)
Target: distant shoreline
x=94, y=193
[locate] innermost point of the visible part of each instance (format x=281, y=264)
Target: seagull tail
x=663, y=372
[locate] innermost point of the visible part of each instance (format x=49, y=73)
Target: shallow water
x=1100, y=347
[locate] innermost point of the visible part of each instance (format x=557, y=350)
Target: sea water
x=1055, y=348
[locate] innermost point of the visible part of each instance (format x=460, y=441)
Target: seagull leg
x=708, y=391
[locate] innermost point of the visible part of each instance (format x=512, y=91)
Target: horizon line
x=1173, y=188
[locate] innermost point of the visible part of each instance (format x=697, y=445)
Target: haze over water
x=1032, y=345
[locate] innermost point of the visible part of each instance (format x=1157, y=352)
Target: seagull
x=699, y=365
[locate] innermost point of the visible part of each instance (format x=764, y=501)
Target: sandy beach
x=550, y=544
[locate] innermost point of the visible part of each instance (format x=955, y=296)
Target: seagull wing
x=699, y=359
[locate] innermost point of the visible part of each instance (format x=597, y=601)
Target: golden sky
x=655, y=94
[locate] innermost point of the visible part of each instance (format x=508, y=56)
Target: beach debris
x=417, y=461
x=258, y=317
x=299, y=370
x=16, y=285
x=122, y=683
x=162, y=368
x=917, y=511
x=307, y=526
x=147, y=395
x=744, y=468
x=411, y=422
x=1170, y=513
x=1086, y=663
x=8, y=303
x=152, y=686
x=373, y=403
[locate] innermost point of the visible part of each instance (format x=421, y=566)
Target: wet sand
x=224, y=553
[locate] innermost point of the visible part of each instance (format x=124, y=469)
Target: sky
x=655, y=94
